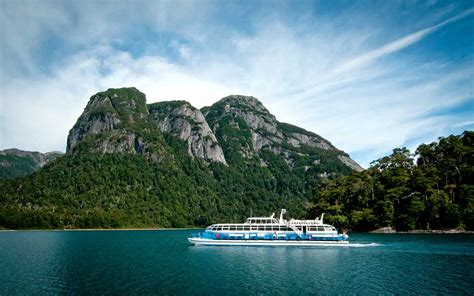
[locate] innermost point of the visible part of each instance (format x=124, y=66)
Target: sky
x=369, y=76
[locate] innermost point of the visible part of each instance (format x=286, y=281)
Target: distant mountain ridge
x=169, y=164
x=16, y=163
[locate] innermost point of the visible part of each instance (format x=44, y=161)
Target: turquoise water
x=162, y=262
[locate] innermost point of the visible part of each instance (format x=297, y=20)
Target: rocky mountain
x=16, y=163
x=119, y=120
x=182, y=120
x=169, y=164
x=244, y=124
x=116, y=121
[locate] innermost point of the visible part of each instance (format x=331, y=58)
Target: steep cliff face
x=15, y=163
x=184, y=121
x=116, y=120
x=245, y=126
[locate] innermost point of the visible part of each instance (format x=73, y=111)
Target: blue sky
x=367, y=75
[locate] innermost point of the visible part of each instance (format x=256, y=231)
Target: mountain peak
x=240, y=101
x=113, y=109
x=168, y=105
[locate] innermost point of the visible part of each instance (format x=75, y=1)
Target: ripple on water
x=162, y=262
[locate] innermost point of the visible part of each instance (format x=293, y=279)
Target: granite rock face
x=350, y=163
x=258, y=129
x=119, y=120
x=111, y=111
x=184, y=121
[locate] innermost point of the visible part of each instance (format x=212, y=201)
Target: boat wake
x=364, y=245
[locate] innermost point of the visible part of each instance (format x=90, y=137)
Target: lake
x=162, y=262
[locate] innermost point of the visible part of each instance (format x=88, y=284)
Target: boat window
x=320, y=228
x=261, y=228
x=327, y=228
x=240, y=228
x=246, y=227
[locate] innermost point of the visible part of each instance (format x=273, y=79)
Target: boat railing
x=305, y=222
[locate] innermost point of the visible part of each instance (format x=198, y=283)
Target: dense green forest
x=124, y=190
x=430, y=189
x=20, y=166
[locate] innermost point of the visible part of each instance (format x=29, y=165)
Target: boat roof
x=266, y=218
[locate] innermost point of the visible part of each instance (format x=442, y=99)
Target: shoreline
x=390, y=230
x=377, y=231
x=103, y=229
x=449, y=231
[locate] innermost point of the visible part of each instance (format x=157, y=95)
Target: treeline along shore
x=430, y=191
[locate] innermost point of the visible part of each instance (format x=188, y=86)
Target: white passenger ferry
x=270, y=231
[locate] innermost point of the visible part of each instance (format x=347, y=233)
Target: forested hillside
x=430, y=189
x=168, y=164
x=16, y=163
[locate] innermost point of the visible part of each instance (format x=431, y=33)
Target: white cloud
x=398, y=44
x=325, y=80
x=38, y=113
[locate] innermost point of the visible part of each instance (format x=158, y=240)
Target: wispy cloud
x=398, y=44
x=349, y=83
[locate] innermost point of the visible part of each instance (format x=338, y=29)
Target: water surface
x=162, y=262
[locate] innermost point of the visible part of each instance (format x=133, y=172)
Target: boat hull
x=213, y=242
